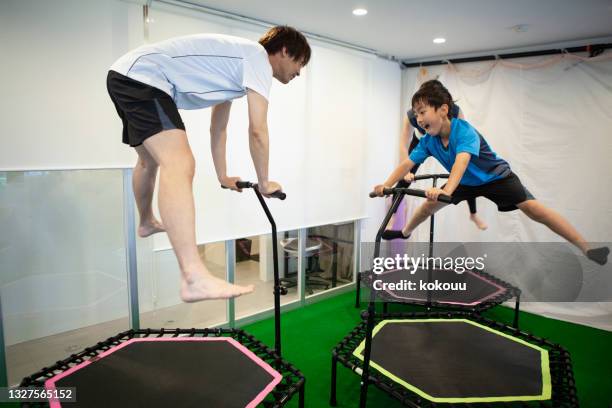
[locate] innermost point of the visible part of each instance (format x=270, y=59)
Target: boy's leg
x=425, y=210
x=143, y=183
x=558, y=224
x=170, y=149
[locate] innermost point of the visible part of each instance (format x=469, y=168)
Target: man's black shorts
x=144, y=110
x=506, y=192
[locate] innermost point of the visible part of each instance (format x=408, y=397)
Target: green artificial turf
x=310, y=333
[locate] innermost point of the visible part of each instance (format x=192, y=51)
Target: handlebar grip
x=240, y=184
x=279, y=194
x=247, y=184
x=417, y=193
x=386, y=191
x=244, y=184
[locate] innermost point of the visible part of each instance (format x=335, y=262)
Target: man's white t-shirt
x=200, y=70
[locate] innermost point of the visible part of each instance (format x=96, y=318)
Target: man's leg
x=558, y=224
x=143, y=182
x=170, y=149
x=480, y=223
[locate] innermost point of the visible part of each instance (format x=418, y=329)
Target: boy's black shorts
x=144, y=110
x=506, y=192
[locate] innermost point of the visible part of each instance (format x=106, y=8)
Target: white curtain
x=550, y=118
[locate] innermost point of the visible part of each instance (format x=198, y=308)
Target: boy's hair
x=284, y=36
x=433, y=93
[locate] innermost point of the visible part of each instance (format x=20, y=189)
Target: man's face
x=289, y=68
x=430, y=118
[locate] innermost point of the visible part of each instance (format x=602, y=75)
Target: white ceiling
x=406, y=28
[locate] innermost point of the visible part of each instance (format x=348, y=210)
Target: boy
x=149, y=84
x=409, y=141
x=475, y=170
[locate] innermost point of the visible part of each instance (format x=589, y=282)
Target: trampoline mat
x=170, y=372
x=457, y=360
x=478, y=289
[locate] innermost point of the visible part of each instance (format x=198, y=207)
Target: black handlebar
x=413, y=192
x=247, y=184
x=244, y=184
x=431, y=176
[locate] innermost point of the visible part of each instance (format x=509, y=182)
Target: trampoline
x=431, y=359
x=455, y=357
x=483, y=290
x=179, y=367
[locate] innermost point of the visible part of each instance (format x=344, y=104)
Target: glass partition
x=159, y=285
x=62, y=264
x=254, y=266
x=330, y=257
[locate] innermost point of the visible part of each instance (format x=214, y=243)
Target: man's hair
x=433, y=93
x=284, y=36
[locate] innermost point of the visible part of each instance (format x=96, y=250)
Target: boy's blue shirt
x=484, y=166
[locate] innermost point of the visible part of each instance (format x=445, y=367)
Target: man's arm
x=405, y=137
x=218, y=137
x=259, y=140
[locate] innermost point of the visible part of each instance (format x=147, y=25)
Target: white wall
x=55, y=56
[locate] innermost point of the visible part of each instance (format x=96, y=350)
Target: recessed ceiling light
x=360, y=12
x=439, y=40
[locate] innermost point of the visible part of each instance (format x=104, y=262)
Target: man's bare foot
x=480, y=223
x=208, y=287
x=149, y=228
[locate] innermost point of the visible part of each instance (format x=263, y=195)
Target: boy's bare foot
x=480, y=223
x=394, y=234
x=149, y=228
x=598, y=255
x=208, y=287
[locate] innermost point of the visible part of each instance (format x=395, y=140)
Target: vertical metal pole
x=431, y=247
x=357, y=248
x=335, y=256
x=277, y=285
x=230, y=271
x=516, y=309
x=357, y=261
x=129, y=227
x=301, y=264
x=3, y=371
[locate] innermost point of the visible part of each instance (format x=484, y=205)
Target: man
x=148, y=86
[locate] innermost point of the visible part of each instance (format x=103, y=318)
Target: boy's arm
x=259, y=140
x=218, y=137
x=397, y=174
x=461, y=162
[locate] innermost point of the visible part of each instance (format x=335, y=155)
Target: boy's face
x=430, y=118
